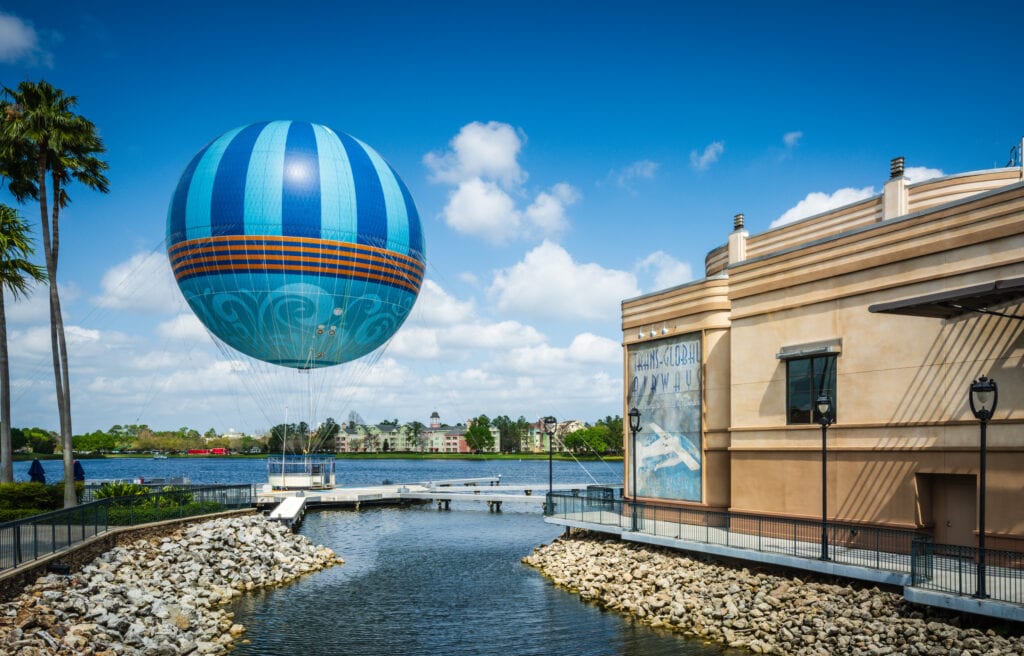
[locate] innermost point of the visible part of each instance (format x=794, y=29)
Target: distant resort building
x=890, y=307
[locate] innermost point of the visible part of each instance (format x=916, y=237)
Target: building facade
x=891, y=306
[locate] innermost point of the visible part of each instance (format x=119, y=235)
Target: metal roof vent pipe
x=737, y=240
x=896, y=167
x=895, y=198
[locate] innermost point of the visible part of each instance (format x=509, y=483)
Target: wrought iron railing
x=850, y=544
x=955, y=570
x=34, y=537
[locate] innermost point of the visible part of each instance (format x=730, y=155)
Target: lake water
x=418, y=581
x=349, y=472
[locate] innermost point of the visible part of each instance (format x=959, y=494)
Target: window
x=806, y=379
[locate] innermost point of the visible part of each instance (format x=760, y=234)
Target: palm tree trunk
x=56, y=328
x=61, y=355
x=6, y=452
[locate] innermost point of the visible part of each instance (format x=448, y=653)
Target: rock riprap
x=160, y=596
x=760, y=612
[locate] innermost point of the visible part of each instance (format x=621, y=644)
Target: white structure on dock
x=301, y=472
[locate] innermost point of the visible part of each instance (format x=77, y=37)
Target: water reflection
x=419, y=581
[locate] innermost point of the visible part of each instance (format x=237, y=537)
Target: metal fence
x=33, y=537
x=850, y=544
x=955, y=570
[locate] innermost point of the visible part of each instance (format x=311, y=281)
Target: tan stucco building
x=875, y=303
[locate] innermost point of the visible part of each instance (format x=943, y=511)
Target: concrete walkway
x=1004, y=586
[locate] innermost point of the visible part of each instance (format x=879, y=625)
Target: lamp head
x=983, y=398
x=634, y=420
x=825, y=409
x=549, y=424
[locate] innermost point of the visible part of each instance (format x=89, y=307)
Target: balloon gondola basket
x=300, y=472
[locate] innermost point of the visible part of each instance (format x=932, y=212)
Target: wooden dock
x=441, y=492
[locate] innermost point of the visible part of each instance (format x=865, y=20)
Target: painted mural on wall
x=665, y=385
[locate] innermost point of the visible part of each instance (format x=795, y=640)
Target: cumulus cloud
x=484, y=210
x=921, y=173
x=436, y=307
x=643, y=169
x=548, y=283
x=817, y=202
x=18, y=40
x=143, y=282
x=547, y=212
x=482, y=166
x=792, y=139
x=32, y=307
x=668, y=271
x=185, y=327
x=480, y=150
x=701, y=161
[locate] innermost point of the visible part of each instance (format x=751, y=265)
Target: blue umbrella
x=36, y=473
x=79, y=472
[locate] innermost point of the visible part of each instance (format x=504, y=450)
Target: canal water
x=422, y=582
x=418, y=581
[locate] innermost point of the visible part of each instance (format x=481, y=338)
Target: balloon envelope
x=295, y=244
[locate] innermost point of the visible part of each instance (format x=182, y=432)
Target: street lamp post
x=983, y=398
x=634, y=428
x=825, y=417
x=549, y=428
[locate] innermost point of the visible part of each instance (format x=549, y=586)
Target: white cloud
x=484, y=210
x=643, y=169
x=480, y=150
x=701, y=161
x=921, y=173
x=482, y=167
x=436, y=307
x=143, y=282
x=548, y=283
x=590, y=348
x=33, y=307
x=817, y=202
x=547, y=212
x=668, y=271
x=185, y=327
x=18, y=39
x=792, y=139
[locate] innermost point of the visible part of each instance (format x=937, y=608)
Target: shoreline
x=759, y=611
x=159, y=596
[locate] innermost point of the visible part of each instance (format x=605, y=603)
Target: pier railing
x=850, y=544
x=27, y=539
x=954, y=570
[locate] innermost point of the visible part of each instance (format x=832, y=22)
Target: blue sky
x=563, y=156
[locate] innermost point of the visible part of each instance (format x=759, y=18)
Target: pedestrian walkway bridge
x=487, y=490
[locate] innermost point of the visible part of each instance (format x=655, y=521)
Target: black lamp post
x=634, y=428
x=549, y=428
x=825, y=417
x=983, y=398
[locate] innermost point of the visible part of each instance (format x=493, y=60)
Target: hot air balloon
x=295, y=244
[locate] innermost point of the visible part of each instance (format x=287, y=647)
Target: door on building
x=949, y=502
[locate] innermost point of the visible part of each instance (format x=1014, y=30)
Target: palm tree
x=40, y=134
x=15, y=272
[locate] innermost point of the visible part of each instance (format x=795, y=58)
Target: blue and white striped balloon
x=295, y=244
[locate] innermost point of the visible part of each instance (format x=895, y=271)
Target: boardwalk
x=1005, y=586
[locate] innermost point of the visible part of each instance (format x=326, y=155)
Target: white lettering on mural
x=666, y=368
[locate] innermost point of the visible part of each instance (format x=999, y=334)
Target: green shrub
x=11, y=514
x=115, y=490
x=38, y=497
x=145, y=512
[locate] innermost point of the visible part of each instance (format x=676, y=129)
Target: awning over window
x=946, y=305
x=811, y=349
